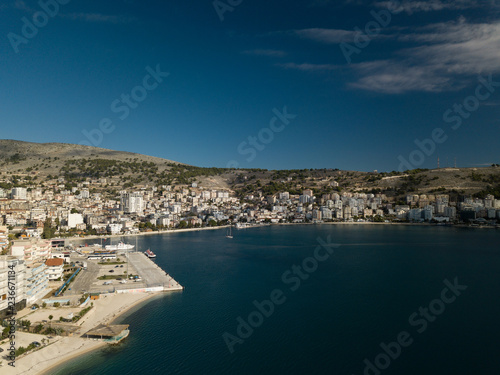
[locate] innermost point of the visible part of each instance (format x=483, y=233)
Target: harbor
x=104, y=284
x=106, y=272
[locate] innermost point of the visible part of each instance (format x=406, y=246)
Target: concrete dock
x=152, y=275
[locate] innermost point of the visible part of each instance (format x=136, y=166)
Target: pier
x=152, y=275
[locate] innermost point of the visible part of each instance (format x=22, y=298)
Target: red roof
x=54, y=262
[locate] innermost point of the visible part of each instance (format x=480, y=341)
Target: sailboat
x=228, y=233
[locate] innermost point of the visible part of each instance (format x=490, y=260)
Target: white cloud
x=309, y=67
x=452, y=54
x=98, y=17
x=329, y=36
x=265, y=52
x=410, y=6
x=393, y=78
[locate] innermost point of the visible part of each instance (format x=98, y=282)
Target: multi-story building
x=326, y=213
x=37, y=281
x=415, y=214
x=4, y=237
x=450, y=212
x=132, y=203
x=74, y=220
x=32, y=249
x=114, y=228
x=13, y=270
x=54, y=268
x=19, y=193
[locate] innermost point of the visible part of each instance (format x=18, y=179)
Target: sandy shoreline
x=265, y=225
x=64, y=349
x=142, y=233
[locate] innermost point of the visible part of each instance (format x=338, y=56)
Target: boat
x=229, y=234
x=120, y=246
x=150, y=254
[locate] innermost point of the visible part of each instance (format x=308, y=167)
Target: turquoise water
x=361, y=296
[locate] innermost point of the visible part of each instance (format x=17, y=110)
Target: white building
x=4, y=237
x=32, y=249
x=17, y=276
x=115, y=228
x=54, y=268
x=74, y=220
x=36, y=282
x=132, y=203
x=19, y=193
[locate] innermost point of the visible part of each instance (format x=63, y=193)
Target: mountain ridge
x=32, y=163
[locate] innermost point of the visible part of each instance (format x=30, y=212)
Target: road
x=85, y=278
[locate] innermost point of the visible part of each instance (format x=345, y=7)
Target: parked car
x=111, y=270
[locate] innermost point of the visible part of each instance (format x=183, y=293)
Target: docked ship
x=119, y=247
x=150, y=254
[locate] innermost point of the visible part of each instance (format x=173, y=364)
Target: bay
x=360, y=297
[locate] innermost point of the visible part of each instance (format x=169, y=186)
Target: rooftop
x=107, y=330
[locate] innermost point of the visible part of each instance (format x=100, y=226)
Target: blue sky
x=363, y=83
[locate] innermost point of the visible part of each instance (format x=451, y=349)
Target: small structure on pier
x=109, y=333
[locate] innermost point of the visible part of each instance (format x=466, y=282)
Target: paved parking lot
x=138, y=264
x=150, y=272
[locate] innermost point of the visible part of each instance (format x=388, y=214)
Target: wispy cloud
x=392, y=77
x=265, y=52
x=329, y=36
x=306, y=67
x=452, y=53
x=427, y=6
x=99, y=18
x=21, y=5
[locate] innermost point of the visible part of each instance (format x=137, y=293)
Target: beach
x=171, y=231
x=63, y=349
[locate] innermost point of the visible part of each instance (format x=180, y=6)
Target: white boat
x=119, y=246
x=150, y=254
x=229, y=234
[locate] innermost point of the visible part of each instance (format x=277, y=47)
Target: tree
x=51, y=317
x=5, y=332
x=48, y=231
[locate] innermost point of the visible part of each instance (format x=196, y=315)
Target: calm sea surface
x=366, y=293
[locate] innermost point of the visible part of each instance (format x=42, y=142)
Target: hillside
x=36, y=164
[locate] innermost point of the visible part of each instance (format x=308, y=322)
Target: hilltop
x=32, y=164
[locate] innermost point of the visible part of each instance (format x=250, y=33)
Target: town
x=36, y=221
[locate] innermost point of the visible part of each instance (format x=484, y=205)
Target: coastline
x=94, y=237
x=55, y=355
x=173, y=231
